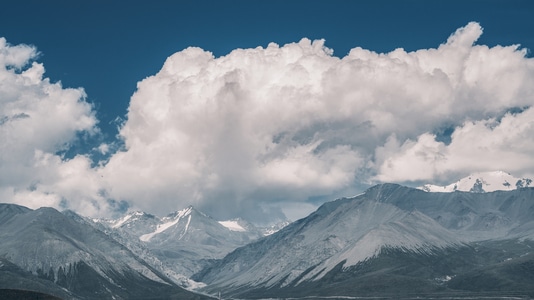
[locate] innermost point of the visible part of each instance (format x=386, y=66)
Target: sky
x=257, y=109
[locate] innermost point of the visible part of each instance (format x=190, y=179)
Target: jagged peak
x=181, y=213
x=126, y=219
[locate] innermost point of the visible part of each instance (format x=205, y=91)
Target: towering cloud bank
x=272, y=128
x=294, y=122
x=38, y=120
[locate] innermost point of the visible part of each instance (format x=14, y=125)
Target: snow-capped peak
x=168, y=222
x=180, y=213
x=482, y=182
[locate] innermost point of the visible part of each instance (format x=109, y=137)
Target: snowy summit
x=481, y=182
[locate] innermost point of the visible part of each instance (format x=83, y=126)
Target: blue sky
x=108, y=47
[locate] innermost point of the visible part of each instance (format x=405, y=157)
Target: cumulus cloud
x=270, y=130
x=38, y=120
x=286, y=124
x=482, y=145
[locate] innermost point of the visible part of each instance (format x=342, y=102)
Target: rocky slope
x=73, y=259
x=391, y=238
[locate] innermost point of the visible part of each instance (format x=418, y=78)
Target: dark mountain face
x=391, y=241
x=25, y=295
x=16, y=283
x=65, y=251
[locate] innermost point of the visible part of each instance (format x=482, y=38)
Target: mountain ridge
x=409, y=239
x=346, y=233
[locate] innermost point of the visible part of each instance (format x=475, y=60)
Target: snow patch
x=232, y=225
x=186, y=226
x=121, y=221
x=444, y=279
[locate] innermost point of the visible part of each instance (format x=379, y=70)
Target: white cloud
x=37, y=120
x=271, y=128
x=482, y=145
x=293, y=122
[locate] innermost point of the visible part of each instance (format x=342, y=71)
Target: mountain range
x=391, y=242
x=63, y=255
x=185, y=240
